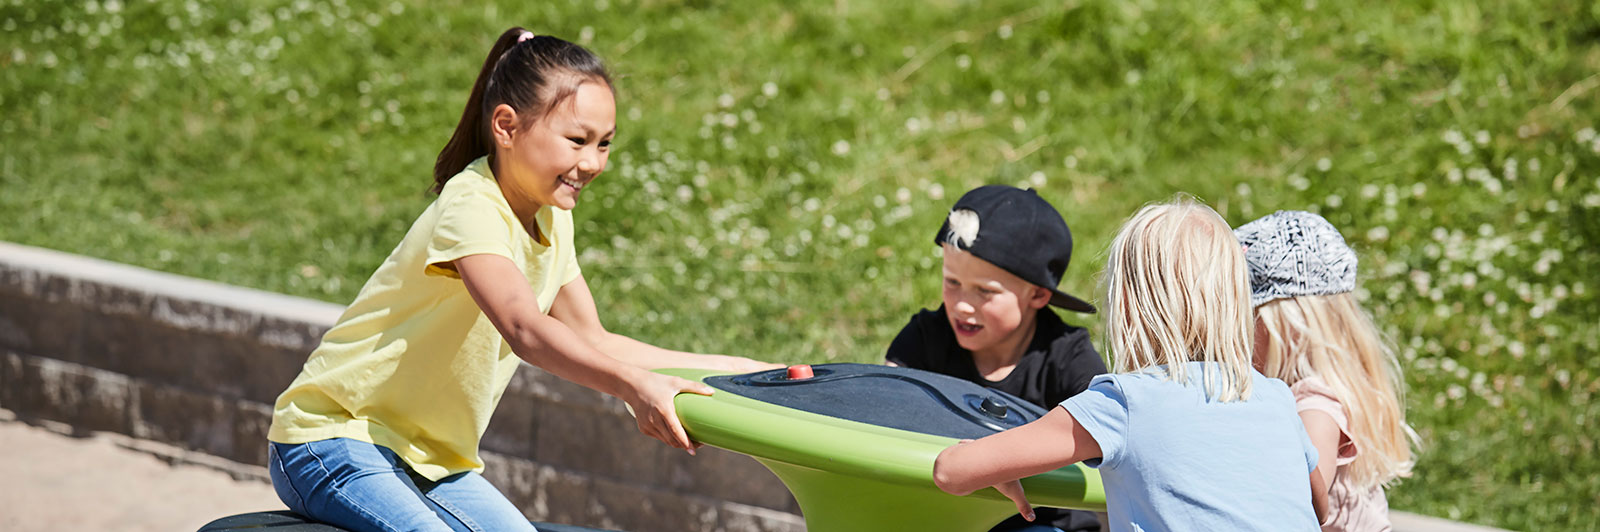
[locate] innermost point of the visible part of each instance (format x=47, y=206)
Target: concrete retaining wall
x=196, y=364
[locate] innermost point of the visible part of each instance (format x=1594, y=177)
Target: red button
x=800, y=371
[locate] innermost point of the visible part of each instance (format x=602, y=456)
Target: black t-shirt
x=1059, y=363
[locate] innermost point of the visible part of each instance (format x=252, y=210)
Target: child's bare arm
x=1319, y=495
x=502, y=292
x=1324, y=434
x=574, y=306
x=1051, y=442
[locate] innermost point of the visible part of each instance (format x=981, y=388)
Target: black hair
x=529, y=74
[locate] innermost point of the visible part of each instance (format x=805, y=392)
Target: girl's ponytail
x=468, y=142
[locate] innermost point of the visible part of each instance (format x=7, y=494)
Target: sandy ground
x=51, y=481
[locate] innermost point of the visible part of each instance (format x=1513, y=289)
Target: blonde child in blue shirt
x=1185, y=433
x=380, y=430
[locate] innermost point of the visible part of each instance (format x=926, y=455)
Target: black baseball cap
x=1021, y=233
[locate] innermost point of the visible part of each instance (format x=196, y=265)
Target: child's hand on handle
x=651, y=402
x=1013, y=490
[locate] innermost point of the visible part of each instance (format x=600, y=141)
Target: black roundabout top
x=888, y=396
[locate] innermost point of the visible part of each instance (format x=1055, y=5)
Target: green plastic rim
x=783, y=437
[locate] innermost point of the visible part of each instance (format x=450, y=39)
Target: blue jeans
x=361, y=487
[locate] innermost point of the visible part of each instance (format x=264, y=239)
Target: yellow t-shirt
x=413, y=364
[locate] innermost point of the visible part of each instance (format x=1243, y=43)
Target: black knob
x=994, y=408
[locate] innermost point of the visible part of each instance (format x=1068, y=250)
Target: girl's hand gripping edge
x=651, y=402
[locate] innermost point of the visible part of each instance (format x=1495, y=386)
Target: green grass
x=780, y=171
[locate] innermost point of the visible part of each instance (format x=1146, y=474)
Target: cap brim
x=1067, y=301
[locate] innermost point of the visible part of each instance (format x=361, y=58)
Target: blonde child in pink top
x=1313, y=335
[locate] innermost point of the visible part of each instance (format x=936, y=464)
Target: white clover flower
x=1036, y=179
x=1378, y=234
x=902, y=195
x=913, y=125
x=725, y=100
x=1369, y=191
x=1453, y=137
x=997, y=97
x=1071, y=161
x=1453, y=175
x=841, y=147
x=963, y=62
x=936, y=192
x=1585, y=135
x=1133, y=77
x=769, y=89
x=1482, y=138
x=1333, y=201
x=1004, y=31
x=1421, y=280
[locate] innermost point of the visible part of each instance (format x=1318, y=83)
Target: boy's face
x=985, y=303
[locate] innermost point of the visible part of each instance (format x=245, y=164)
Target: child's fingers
x=652, y=429
x=1013, y=490
x=680, y=439
x=697, y=388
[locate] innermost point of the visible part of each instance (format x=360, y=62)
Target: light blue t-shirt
x=1173, y=460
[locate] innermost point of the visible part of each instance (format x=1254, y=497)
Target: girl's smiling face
x=986, y=305
x=550, y=159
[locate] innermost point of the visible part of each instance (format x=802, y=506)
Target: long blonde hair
x=1176, y=292
x=1333, y=338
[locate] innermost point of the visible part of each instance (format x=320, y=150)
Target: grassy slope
x=780, y=170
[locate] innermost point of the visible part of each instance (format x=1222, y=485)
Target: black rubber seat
x=287, y=521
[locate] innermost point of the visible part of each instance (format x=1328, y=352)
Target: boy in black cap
x=1005, y=250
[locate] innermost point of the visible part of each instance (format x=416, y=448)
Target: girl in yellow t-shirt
x=380, y=430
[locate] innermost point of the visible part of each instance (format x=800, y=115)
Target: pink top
x=1350, y=509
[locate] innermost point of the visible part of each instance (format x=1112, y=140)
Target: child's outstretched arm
x=1053, y=441
x=502, y=292
x=574, y=306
